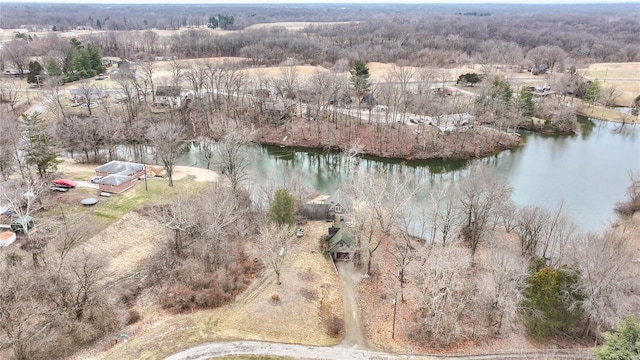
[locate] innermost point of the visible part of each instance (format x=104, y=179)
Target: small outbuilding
x=22, y=224
x=7, y=238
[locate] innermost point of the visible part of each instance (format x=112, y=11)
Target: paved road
x=288, y=350
x=340, y=352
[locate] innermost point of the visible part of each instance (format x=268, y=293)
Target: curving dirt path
x=353, y=329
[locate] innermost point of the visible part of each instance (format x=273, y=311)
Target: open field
x=624, y=76
x=298, y=25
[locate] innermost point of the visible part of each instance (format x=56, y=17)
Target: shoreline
x=402, y=142
x=605, y=114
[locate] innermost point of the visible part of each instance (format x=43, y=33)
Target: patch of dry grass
x=296, y=25
x=599, y=112
x=309, y=285
x=624, y=76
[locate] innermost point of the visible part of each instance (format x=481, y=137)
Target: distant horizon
x=301, y=2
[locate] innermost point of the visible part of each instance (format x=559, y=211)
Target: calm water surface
x=587, y=173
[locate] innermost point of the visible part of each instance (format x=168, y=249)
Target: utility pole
x=395, y=306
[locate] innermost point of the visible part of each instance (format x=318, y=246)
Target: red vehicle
x=65, y=183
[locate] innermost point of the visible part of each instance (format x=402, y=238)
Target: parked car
x=65, y=183
x=300, y=232
x=95, y=179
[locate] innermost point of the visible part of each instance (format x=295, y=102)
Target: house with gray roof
x=118, y=176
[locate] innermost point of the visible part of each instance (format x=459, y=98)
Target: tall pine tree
x=38, y=146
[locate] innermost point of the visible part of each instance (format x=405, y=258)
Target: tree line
x=421, y=36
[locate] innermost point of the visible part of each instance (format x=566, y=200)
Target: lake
x=588, y=173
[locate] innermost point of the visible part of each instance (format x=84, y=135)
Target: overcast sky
x=326, y=1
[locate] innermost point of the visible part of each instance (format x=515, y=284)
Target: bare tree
x=167, y=140
x=379, y=202
x=18, y=52
x=179, y=217
x=273, y=244
x=608, y=279
x=178, y=68
x=24, y=321
x=150, y=38
x=9, y=93
x=25, y=198
x=403, y=253
x=544, y=233
x=233, y=155
x=196, y=76
x=128, y=93
x=146, y=71
x=445, y=295
x=481, y=193
x=56, y=90
x=444, y=213
x=223, y=218
x=609, y=95
x=8, y=145
x=90, y=93
x=632, y=203
x=508, y=273
x=85, y=274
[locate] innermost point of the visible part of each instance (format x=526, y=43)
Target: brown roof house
x=118, y=176
x=168, y=96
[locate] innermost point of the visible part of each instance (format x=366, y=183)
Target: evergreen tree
x=38, y=145
x=82, y=62
x=551, y=301
x=34, y=73
x=282, y=208
x=95, y=58
x=501, y=90
x=53, y=67
x=623, y=343
x=360, y=78
x=526, y=103
x=213, y=22
x=592, y=93
x=469, y=79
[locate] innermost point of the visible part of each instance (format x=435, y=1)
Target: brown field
x=295, y=25
x=309, y=291
x=625, y=76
